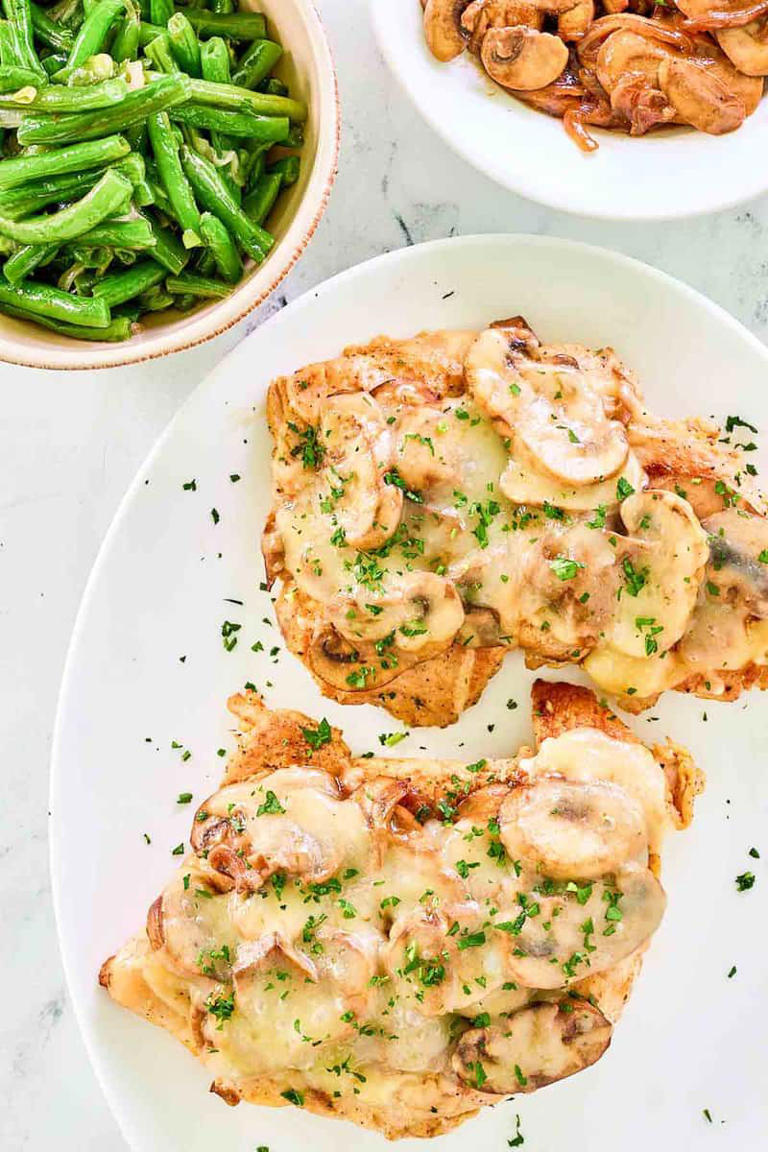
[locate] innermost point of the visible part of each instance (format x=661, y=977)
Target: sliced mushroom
x=591, y=43
x=662, y=568
x=292, y=820
x=533, y=1047
x=429, y=959
x=523, y=483
x=356, y=454
x=189, y=927
x=423, y=453
x=587, y=926
x=550, y=406
x=442, y=28
x=417, y=612
x=736, y=543
x=747, y=47
x=709, y=14
x=588, y=755
x=700, y=98
x=625, y=53
x=481, y=15
x=522, y=58
x=568, y=830
x=573, y=24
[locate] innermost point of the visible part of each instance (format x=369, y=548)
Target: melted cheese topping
x=472, y=539
x=310, y=944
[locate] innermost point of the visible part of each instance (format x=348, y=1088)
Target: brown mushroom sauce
x=346, y=937
x=472, y=491
x=628, y=65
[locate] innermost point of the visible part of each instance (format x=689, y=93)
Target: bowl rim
x=244, y=298
x=555, y=197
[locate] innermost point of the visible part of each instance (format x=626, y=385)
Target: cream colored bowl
x=307, y=67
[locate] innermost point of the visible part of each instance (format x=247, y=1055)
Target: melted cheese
x=351, y=955
x=547, y=562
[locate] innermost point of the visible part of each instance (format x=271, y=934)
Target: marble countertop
x=70, y=443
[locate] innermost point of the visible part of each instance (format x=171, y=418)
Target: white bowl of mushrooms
x=662, y=106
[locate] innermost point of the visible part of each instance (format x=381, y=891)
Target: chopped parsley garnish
x=309, y=447
x=317, y=737
x=394, y=479
x=565, y=568
x=623, y=488
x=271, y=806
x=293, y=1096
x=599, y=520
x=221, y=1007
x=745, y=881
x=184, y=798
x=634, y=581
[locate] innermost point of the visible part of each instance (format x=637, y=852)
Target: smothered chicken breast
x=440, y=500
x=401, y=942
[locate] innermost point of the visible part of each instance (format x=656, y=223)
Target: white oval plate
x=660, y=176
x=161, y=589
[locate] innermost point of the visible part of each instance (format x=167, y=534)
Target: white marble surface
x=69, y=444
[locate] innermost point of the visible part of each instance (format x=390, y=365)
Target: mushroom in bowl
x=615, y=64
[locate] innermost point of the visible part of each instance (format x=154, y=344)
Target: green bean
x=256, y=63
x=272, y=129
x=237, y=26
x=259, y=203
x=125, y=46
x=121, y=286
x=289, y=168
x=215, y=64
x=43, y=300
x=129, y=234
x=19, y=17
x=160, y=12
x=12, y=79
x=184, y=44
x=159, y=52
x=167, y=250
x=196, y=286
x=133, y=109
x=147, y=33
x=222, y=6
x=48, y=31
x=241, y=99
x=8, y=54
x=274, y=87
x=116, y=330
x=295, y=137
x=20, y=169
x=176, y=185
x=213, y=194
x=57, y=98
x=155, y=299
x=108, y=196
x=54, y=63
x=92, y=34
x=217, y=239
x=24, y=261
x=214, y=61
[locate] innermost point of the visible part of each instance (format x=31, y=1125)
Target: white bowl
x=166, y=578
x=666, y=175
x=307, y=66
